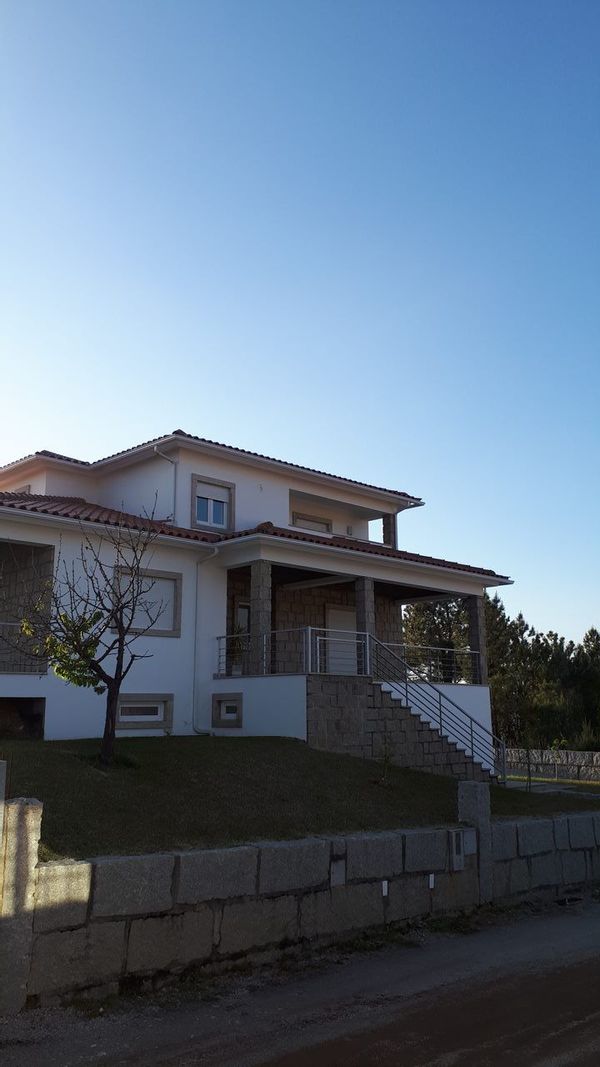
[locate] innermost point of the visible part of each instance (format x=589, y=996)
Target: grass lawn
x=570, y=783
x=181, y=792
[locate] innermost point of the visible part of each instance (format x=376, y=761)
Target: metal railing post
x=367, y=663
x=440, y=706
x=308, y=650
x=472, y=749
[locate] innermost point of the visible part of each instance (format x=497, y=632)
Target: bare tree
x=87, y=619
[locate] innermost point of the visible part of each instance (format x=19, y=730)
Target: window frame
x=203, y=479
x=177, y=578
x=227, y=698
x=164, y=723
x=300, y=518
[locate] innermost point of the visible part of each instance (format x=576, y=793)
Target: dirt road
x=525, y=992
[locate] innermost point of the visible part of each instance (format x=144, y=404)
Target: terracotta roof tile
x=78, y=510
x=296, y=466
x=44, y=452
x=369, y=547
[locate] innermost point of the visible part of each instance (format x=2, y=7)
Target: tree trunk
x=110, y=724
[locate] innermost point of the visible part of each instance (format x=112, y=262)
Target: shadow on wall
x=68, y=927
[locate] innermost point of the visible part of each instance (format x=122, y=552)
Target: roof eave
x=44, y=519
x=393, y=561
x=175, y=442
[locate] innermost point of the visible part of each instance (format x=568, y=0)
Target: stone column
x=390, y=531
x=18, y=865
x=475, y=606
x=260, y=616
x=365, y=605
x=365, y=619
x=474, y=810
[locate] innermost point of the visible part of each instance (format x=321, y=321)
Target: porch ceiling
x=295, y=576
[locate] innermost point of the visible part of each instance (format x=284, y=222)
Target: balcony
x=311, y=650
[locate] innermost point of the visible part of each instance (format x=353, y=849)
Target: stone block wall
x=93, y=927
x=355, y=716
x=100, y=924
x=540, y=857
x=551, y=763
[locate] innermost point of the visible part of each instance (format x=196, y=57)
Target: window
x=158, y=610
x=312, y=522
x=145, y=711
x=242, y=616
x=212, y=503
x=226, y=711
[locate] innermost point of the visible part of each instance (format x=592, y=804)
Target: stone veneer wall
x=550, y=763
x=355, y=716
x=96, y=926
x=296, y=608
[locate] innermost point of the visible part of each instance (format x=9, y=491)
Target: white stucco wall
x=261, y=495
x=272, y=707
x=69, y=481
x=145, y=488
x=72, y=712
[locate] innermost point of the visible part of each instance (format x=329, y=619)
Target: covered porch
x=291, y=620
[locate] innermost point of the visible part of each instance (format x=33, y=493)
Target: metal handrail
x=300, y=650
x=441, y=663
x=468, y=729
x=431, y=648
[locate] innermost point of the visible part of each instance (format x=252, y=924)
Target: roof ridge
x=182, y=434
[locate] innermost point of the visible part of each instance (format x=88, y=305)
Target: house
x=283, y=615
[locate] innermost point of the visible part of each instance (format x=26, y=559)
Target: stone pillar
x=260, y=616
x=475, y=606
x=365, y=605
x=365, y=620
x=18, y=865
x=474, y=809
x=400, y=625
x=390, y=531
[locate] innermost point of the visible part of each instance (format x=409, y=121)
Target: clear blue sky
x=360, y=236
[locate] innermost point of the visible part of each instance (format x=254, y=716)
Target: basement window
x=227, y=711
x=140, y=711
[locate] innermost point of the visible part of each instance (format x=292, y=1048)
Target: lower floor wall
x=69, y=928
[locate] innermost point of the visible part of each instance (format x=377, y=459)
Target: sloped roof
x=77, y=509
x=181, y=434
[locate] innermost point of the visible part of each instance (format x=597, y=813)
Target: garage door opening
x=22, y=717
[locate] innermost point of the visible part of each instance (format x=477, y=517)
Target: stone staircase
x=361, y=717
x=421, y=745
